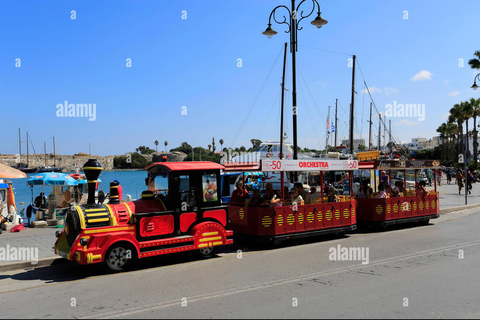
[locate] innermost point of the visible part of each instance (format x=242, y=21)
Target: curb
x=44, y=262
x=461, y=208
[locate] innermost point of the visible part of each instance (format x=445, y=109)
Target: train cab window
x=209, y=184
x=186, y=192
x=161, y=184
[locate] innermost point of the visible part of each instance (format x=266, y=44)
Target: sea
x=132, y=182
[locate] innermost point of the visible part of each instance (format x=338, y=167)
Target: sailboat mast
x=282, y=105
x=28, y=163
x=370, y=129
x=352, y=105
x=45, y=152
x=54, y=154
x=379, y=131
x=384, y=133
x=336, y=128
x=328, y=125
x=389, y=131
x=19, y=146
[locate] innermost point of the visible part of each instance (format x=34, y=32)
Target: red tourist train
x=295, y=221
x=408, y=206
x=176, y=214
x=182, y=211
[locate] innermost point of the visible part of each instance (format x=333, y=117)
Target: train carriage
x=287, y=222
x=408, y=207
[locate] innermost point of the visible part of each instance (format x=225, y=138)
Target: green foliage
x=144, y=150
x=137, y=161
x=204, y=154
x=184, y=147
x=255, y=144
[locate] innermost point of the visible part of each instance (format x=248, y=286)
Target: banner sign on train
x=309, y=165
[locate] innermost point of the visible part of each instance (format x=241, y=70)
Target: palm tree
x=209, y=147
x=467, y=114
x=475, y=103
x=456, y=115
x=166, y=144
x=156, y=145
x=442, y=130
x=221, y=143
x=452, y=131
x=475, y=63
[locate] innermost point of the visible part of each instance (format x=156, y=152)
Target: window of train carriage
x=210, y=186
x=186, y=192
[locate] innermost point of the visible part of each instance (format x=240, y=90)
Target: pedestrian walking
x=439, y=177
x=449, y=175
x=459, y=176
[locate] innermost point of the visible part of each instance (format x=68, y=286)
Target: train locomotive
x=171, y=216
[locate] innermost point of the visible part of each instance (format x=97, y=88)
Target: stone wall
x=64, y=162
x=67, y=162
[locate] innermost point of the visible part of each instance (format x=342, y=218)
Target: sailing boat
x=47, y=168
x=25, y=169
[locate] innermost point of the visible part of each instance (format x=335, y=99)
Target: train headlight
x=83, y=242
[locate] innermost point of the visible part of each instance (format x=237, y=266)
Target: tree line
x=455, y=133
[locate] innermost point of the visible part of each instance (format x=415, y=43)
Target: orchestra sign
x=309, y=165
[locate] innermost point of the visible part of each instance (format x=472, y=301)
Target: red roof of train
x=187, y=165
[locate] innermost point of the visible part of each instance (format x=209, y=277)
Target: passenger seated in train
x=239, y=195
x=314, y=195
x=398, y=190
x=256, y=199
x=381, y=191
x=364, y=191
x=269, y=192
x=276, y=200
x=296, y=197
x=421, y=189
x=384, y=178
x=302, y=192
x=331, y=196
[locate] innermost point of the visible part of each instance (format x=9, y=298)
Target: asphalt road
x=413, y=272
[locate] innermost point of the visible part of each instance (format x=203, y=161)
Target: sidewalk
x=44, y=238
x=41, y=238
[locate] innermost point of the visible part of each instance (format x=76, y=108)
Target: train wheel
x=424, y=222
x=277, y=242
x=119, y=258
x=207, y=251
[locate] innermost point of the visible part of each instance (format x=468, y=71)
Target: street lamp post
x=293, y=29
x=475, y=86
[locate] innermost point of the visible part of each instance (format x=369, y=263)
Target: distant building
x=356, y=143
x=423, y=143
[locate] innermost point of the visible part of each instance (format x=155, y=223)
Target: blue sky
x=193, y=62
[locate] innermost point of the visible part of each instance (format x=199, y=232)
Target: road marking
x=223, y=293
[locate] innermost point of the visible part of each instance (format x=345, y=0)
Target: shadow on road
x=66, y=271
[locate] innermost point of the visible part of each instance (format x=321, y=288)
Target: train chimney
x=114, y=192
x=92, y=170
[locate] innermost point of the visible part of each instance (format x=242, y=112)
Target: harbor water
x=132, y=182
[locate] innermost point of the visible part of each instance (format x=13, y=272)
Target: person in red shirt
x=239, y=195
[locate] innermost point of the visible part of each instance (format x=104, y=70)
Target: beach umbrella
x=52, y=179
x=7, y=172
